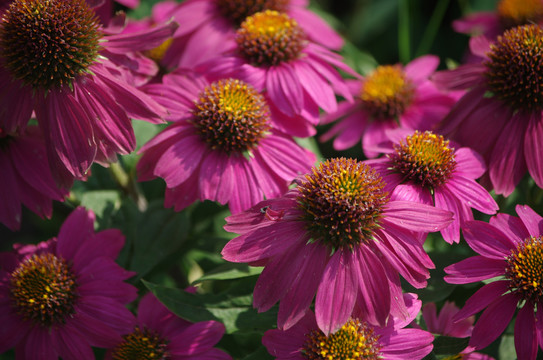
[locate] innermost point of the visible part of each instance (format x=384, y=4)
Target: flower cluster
x=203, y=168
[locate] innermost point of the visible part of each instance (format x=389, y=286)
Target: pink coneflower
x=508, y=14
x=424, y=167
x=272, y=53
x=51, y=64
x=221, y=147
x=391, y=96
x=511, y=250
x=26, y=177
x=356, y=339
x=443, y=324
x=208, y=24
x=160, y=334
x=64, y=295
x=500, y=117
x=339, y=235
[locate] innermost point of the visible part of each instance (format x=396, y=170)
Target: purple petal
x=181, y=160
x=196, y=338
x=472, y=194
x=512, y=227
x=307, y=278
x=70, y=344
x=147, y=39
x=493, y=321
x=337, y=292
x=421, y=68
x=277, y=277
x=487, y=240
x=74, y=232
x=482, y=298
x=284, y=90
x=525, y=333
x=373, y=286
x=532, y=220
x=68, y=134
x=417, y=217
x=107, y=243
x=317, y=29
x=408, y=344
x=447, y=201
x=469, y=163
x=264, y=242
x=533, y=147
x=473, y=269
x=216, y=177
x=317, y=87
x=507, y=163
x=39, y=345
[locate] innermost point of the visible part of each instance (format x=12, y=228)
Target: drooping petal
x=337, y=292
x=532, y=220
x=487, y=240
x=472, y=194
x=493, y=321
x=486, y=295
x=525, y=333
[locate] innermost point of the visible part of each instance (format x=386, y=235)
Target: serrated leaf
x=234, y=311
x=447, y=345
x=230, y=271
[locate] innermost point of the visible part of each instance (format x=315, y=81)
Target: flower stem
x=128, y=185
x=432, y=28
x=403, y=32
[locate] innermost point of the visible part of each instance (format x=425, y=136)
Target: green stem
x=403, y=32
x=432, y=28
x=128, y=184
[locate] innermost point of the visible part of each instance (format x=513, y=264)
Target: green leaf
x=234, y=311
x=230, y=271
x=507, y=347
x=151, y=236
x=102, y=202
x=260, y=354
x=446, y=345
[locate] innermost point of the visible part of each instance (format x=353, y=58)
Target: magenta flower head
x=339, y=235
x=208, y=24
x=62, y=296
x=443, y=324
x=221, y=147
x=160, y=334
x=52, y=63
x=356, y=339
x=511, y=251
x=505, y=103
x=425, y=168
x=508, y=14
x=26, y=177
x=271, y=52
x=391, y=96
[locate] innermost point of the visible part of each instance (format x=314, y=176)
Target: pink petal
x=336, y=295
x=317, y=87
x=447, y=201
x=525, y=333
x=68, y=134
x=284, y=89
x=264, y=242
x=70, y=344
x=493, y=321
x=487, y=240
x=417, y=217
x=196, y=338
x=246, y=191
x=142, y=40
x=74, y=232
x=216, y=177
x=473, y=269
x=472, y=194
x=507, y=163
x=373, y=286
x=469, y=163
x=296, y=302
x=317, y=29
x=486, y=295
x=421, y=68
x=512, y=227
x=278, y=275
x=532, y=220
